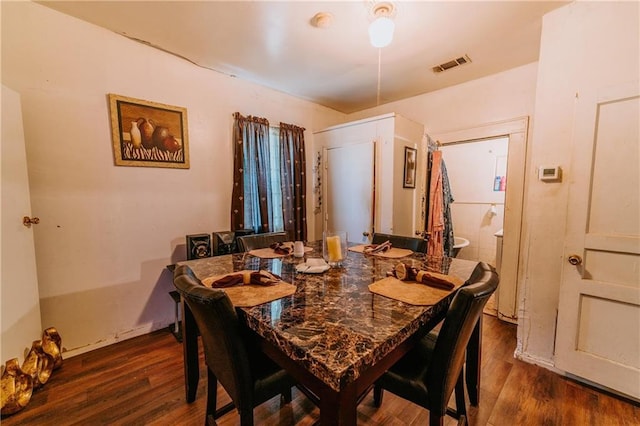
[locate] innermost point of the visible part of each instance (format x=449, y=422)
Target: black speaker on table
x=225, y=242
x=198, y=246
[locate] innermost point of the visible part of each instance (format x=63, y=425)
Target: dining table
x=335, y=336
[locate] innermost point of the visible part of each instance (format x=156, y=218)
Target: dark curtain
x=293, y=179
x=251, y=204
x=447, y=237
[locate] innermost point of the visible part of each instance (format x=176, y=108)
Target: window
x=252, y=212
x=269, y=187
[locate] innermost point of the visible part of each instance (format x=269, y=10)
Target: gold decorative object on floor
x=38, y=365
x=19, y=383
x=17, y=388
x=52, y=346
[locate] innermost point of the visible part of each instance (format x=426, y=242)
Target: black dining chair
x=418, y=245
x=428, y=374
x=248, y=376
x=258, y=241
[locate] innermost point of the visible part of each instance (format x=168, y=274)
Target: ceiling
x=274, y=44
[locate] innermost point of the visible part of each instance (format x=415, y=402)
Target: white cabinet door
x=362, y=189
x=349, y=188
x=598, y=336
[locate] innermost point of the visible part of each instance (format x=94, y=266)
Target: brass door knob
x=574, y=259
x=28, y=221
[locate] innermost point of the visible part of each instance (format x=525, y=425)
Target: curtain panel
x=293, y=179
x=435, y=245
x=250, y=205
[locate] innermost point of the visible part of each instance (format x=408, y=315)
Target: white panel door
x=349, y=189
x=598, y=336
x=19, y=300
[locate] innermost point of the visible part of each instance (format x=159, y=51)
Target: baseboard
x=129, y=334
x=505, y=318
x=611, y=392
x=547, y=364
x=541, y=362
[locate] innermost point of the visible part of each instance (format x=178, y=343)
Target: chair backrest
x=417, y=245
x=258, y=241
x=462, y=316
x=222, y=337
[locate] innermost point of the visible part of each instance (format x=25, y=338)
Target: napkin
x=377, y=248
x=263, y=278
x=406, y=272
x=313, y=266
x=281, y=248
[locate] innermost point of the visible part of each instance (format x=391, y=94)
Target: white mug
x=298, y=249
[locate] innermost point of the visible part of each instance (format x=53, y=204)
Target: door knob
x=28, y=221
x=574, y=259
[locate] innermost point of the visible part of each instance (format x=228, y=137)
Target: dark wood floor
x=140, y=382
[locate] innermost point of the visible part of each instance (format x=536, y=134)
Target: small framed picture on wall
x=410, y=162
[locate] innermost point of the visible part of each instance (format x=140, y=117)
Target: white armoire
x=370, y=177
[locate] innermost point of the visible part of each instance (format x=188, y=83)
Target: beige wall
x=498, y=97
x=107, y=232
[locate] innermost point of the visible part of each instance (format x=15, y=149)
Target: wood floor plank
x=611, y=410
x=574, y=401
x=528, y=397
x=140, y=382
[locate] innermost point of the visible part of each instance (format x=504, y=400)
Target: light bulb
x=381, y=31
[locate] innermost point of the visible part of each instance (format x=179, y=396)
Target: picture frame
x=148, y=134
x=410, y=164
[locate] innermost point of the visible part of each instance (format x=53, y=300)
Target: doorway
x=515, y=131
x=477, y=172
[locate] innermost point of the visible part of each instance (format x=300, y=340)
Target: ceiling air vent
x=452, y=64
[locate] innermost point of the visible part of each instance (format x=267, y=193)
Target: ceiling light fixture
x=381, y=29
x=322, y=20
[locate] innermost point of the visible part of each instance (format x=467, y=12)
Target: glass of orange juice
x=334, y=247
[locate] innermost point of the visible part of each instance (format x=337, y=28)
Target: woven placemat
x=392, y=253
x=246, y=296
x=411, y=292
x=269, y=253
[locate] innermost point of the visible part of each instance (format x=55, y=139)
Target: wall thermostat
x=549, y=173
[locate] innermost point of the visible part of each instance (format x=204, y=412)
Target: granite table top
x=333, y=325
